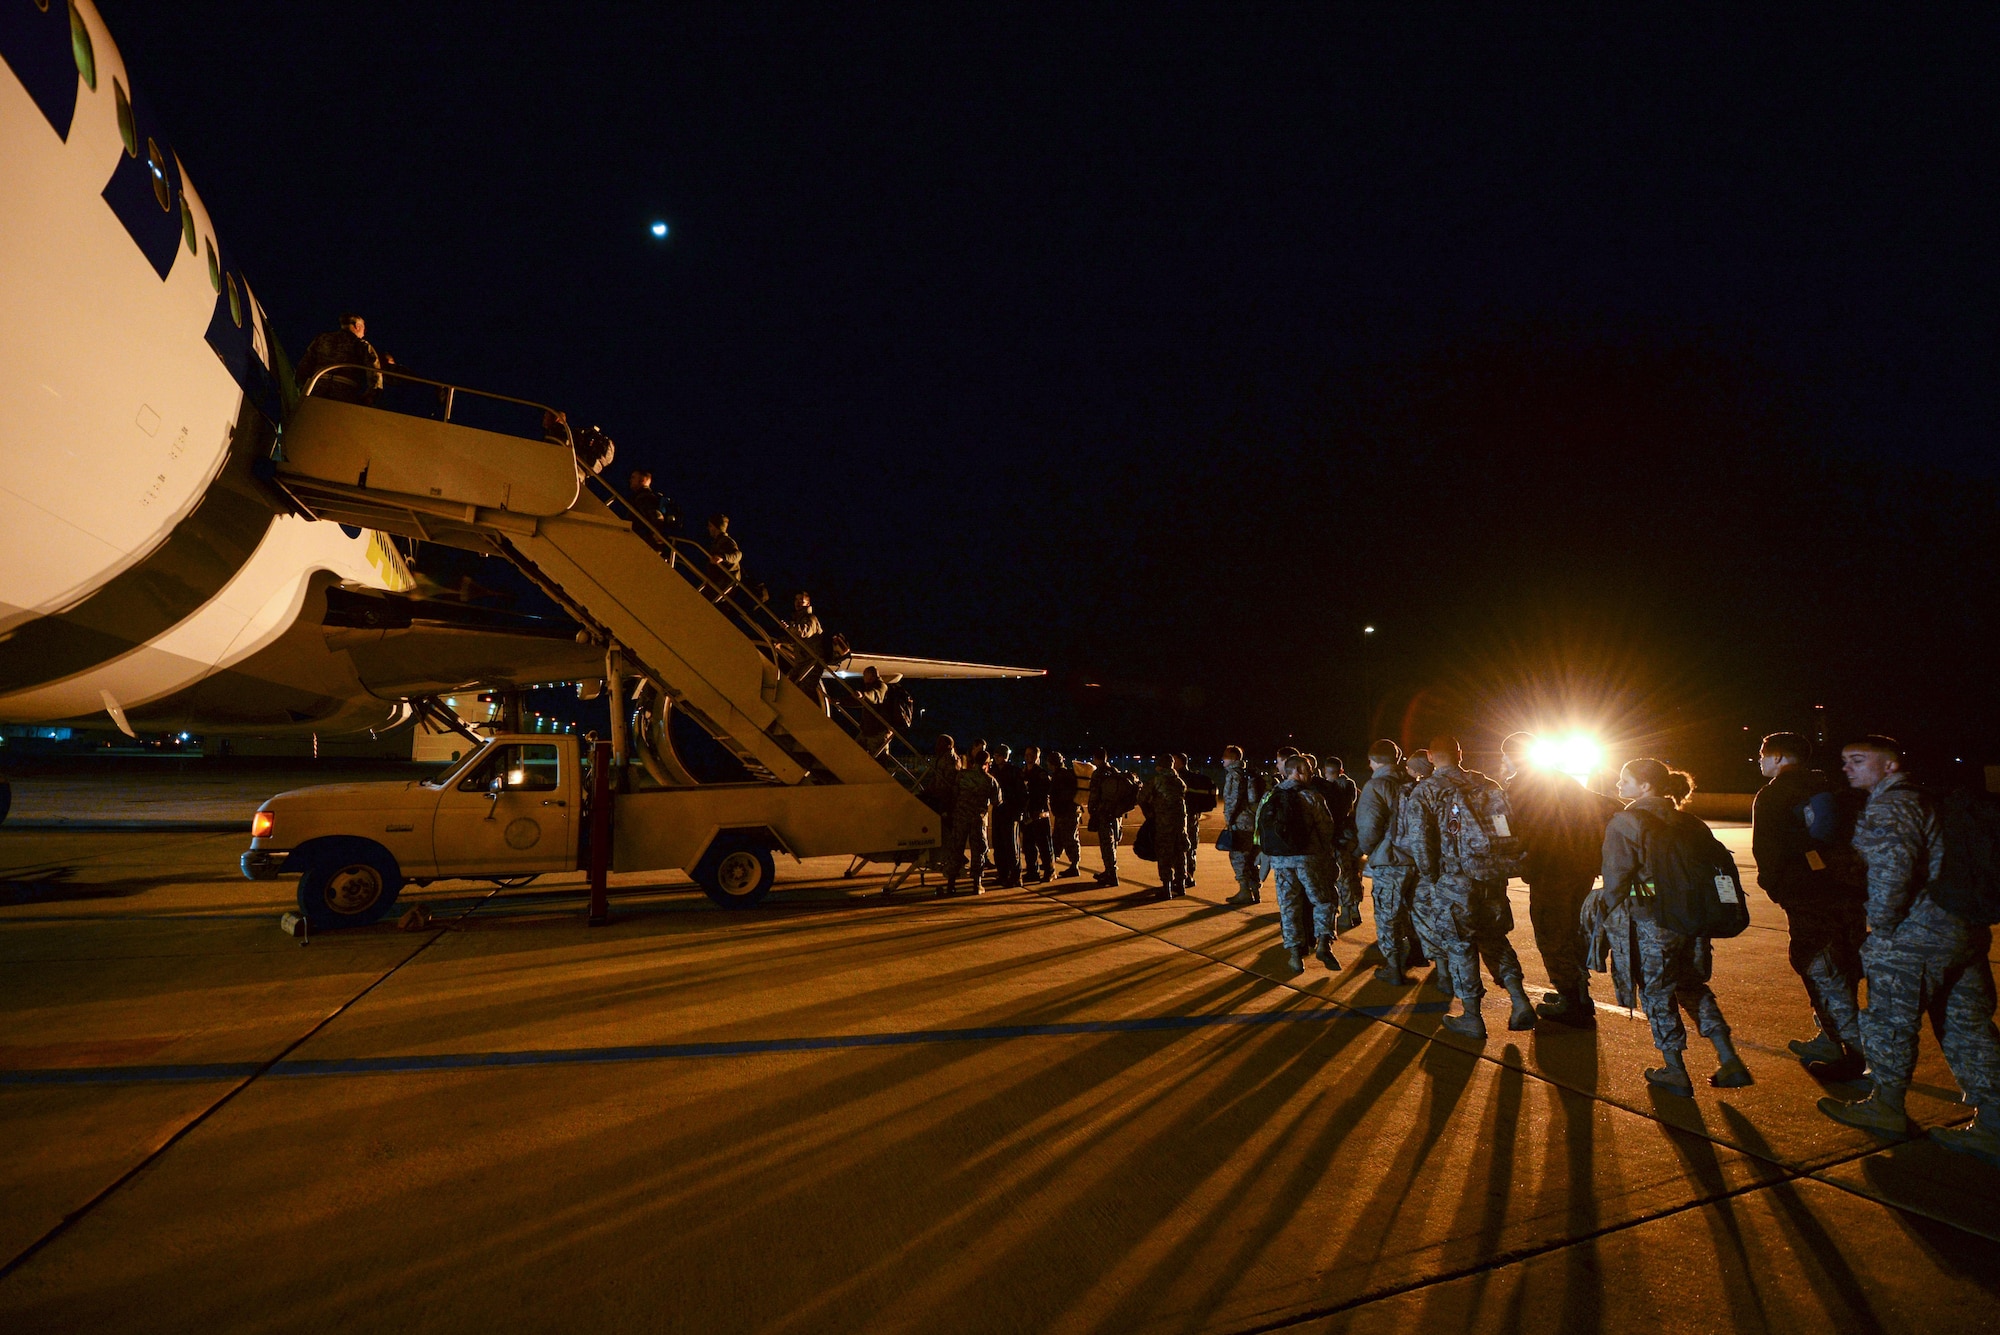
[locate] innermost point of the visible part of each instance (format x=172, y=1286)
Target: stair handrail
x=747, y=605
x=450, y=398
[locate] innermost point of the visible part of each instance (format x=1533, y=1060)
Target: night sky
x=1639, y=373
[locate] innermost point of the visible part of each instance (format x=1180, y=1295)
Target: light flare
x=1576, y=755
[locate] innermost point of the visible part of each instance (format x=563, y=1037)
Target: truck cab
x=513, y=808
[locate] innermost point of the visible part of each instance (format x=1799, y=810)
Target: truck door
x=508, y=813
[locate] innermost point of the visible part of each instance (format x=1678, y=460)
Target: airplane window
x=86, y=56
x=214, y=268
x=158, y=162
x=187, y=223
x=235, y=302
x=126, y=129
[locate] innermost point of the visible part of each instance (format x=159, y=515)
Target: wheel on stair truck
x=737, y=871
x=347, y=883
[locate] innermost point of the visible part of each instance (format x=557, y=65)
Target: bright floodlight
x=659, y=229
x=1575, y=755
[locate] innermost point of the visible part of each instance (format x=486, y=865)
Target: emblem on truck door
x=523, y=833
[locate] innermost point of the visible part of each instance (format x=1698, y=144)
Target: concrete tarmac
x=1055, y=1109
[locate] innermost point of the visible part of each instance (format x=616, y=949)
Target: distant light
x=1367, y=630
x=659, y=229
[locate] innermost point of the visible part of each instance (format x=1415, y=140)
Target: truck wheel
x=736, y=872
x=349, y=884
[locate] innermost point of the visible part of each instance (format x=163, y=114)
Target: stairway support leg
x=621, y=749
x=600, y=834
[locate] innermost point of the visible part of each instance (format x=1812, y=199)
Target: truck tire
x=348, y=883
x=736, y=872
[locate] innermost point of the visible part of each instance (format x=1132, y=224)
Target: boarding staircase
x=714, y=650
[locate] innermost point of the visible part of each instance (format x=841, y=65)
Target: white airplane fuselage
x=143, y=570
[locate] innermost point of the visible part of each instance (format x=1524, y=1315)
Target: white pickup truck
x=515, y=808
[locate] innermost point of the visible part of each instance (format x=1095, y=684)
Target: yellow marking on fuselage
x=388, y=562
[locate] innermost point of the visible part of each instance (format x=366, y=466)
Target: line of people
x=1634, y=887
x=1031, y=808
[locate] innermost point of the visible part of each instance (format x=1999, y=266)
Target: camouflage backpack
x=1476, y=829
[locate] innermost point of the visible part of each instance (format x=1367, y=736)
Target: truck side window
x=520, y=769
x=533, y=769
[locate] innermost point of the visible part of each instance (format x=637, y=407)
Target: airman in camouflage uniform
x=1920, y=959
x=938, y=790
x=1063, y=813
x=347, y=346
x=1323, y=883
x=1801, y=831
x=1467, y=913
x=1166, y=806
x=978, y=793
x=1242, y=790
x=1404, y=837
x=1105, y=821
x=1673, y=968
x=1390, y=871
x=1201, y=800
x=1347, y=850
x=1305, y=902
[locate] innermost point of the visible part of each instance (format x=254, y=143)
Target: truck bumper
x=264, y=864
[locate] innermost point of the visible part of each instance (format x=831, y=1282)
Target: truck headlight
x=260, y=825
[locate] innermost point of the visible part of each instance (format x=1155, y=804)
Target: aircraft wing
x=933, y=669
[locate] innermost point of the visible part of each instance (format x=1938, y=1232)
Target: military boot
x=1852, y=1064
x=1981, y=1140
x=1880, y=1114
x=1393, y=977
x=1672, y=1079
x=1821, y=1048
x=1732, y=1074
x=1293, y=964
x=1523, y=1015
x=1576, y=1012
x=1469, y=1025
x=1241, y=899
x=1324, y=953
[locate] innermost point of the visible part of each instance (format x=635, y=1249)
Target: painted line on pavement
x=748, y=1047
